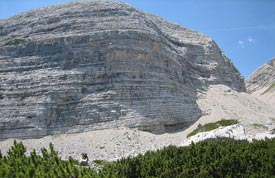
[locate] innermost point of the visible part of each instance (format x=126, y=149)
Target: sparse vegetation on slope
x=213, y=158
x=15, y=41
x=255, y=125
x=272, y=86
x=212, y=126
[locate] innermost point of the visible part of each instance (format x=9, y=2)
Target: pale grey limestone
x=264, y=76
x=93, y=65
x=236, y=132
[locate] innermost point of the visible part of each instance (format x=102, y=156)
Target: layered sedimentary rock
x=93, y=65
x=261, y=83
x=262, y=77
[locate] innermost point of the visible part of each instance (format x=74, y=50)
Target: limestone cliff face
x=261, y=83
x=93, y=65
x=262, y=77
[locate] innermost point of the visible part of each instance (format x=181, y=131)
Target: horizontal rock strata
x=93, y=65
x=262, y=77
x=261, y=83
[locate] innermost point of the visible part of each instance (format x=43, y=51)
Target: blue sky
x=244, y=29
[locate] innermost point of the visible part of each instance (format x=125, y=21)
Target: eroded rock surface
x=261, y=83
x=93, y=65
x=262, y=77
x=236, y=132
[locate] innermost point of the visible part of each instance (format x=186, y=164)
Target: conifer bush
x=212, y=158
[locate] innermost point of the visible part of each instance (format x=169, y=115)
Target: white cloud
x=250, y=39
x=245, y=42
x=241, y=44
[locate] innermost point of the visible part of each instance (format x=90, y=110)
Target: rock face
x=93, y=65
x=262, y=77
x=261, y=83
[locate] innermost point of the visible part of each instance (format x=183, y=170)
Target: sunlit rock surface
x=96, y=64
x=261, y=83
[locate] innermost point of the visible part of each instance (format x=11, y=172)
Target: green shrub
x=15, y=41
x=212, y=126
x=100, y=162
x=212, y=158
x=260, y=126
x=49, y=164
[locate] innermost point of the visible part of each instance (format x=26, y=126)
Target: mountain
x=261, y=83
x=92, y=65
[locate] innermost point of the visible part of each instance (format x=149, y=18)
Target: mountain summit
x=91, y=65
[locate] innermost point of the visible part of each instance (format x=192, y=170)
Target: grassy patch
x=259, y=126
x=272, y=86
x=101, y=162
x=212, y=126
x=15, y=41
x=56, y=136
x=251, y=91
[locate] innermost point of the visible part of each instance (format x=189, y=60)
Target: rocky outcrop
x=262, y=77
x=236, y=132
x=93, y=65
x=261, y=83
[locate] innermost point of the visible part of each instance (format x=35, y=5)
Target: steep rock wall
x=92, y=65
x=261, y=83
x=264, y=76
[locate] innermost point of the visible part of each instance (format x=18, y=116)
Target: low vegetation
x=270, y=88
x=15, y=41
x=256, y=126
x=212, y=158
x=49, y=164
x=212, y=126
